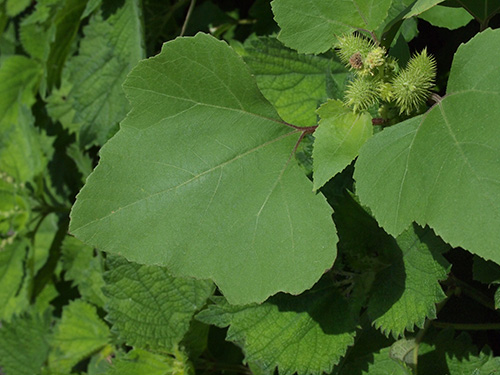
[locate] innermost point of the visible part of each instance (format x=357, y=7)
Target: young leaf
x=93, y=79
x=442, y=168
x=338, y=138
x=312, y=26
x=307, y=334
x=149, y=308
x=79, y=333
x=202, y=181
x=405, y=293
x=24, y=344
x=294, y=83
x=421, y=6
x=140, y=362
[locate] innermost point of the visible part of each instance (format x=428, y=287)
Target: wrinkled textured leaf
x=421, y=6
x=24, y=344
x=13, y=298
x=79, y=333
x=201, y=180
x=307, y=334
x=294, y=83
x=149, y=308
x=338, y=138
x=92, y=81
x=442, y=168
x=84, y=269
x=483, y=364
x=405, y=293
x=451, y=18
x=312, y=26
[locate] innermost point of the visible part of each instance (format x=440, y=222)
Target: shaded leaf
x=91, y=90
x=404, y=294
x=442, y=168
x=482, y=364
x=149, y=308
x=206, y=184
x=13, y=295
x=84, y=269
x=338, y=138
x=312, y=26
x=24, y=344
x=79, y=333
x=421, y=6
x=451, y=18
x=307, y=334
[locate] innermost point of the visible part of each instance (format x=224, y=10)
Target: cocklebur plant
x=378, y=78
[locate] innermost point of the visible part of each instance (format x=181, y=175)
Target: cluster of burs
x=378, y=78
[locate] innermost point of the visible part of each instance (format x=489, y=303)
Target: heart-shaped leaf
x=203, y=181
x=443, y=168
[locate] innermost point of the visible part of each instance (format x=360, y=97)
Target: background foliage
x=233, y=215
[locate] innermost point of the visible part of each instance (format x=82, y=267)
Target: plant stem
x=188, y=16
x=472, y=292
x=468, y=326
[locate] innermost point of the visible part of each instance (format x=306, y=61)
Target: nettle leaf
x=442, y=168
x=338, y=138
x=307, y=334
x=79, y=333
x=14, y=7
x=201, y=180
x=484, y=363
x=13, y=296
x=92, y=81
x=24, y=344
x=148, y=307
x=84, y=269
x=405, y=294
x=312, y=26
x=294, y=83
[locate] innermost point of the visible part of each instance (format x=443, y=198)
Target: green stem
x=472, y=292
x=468, y=326
x=188, y=16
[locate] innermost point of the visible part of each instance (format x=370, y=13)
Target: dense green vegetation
x=255, y=187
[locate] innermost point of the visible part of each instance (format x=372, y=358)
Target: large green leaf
x=294, y=83
x=338, y=138
x=91, y=93
x=442, y=168
x=307, y=334
x=200, y=179
x=481, y=10
x=149, y=308
x=312, y=26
